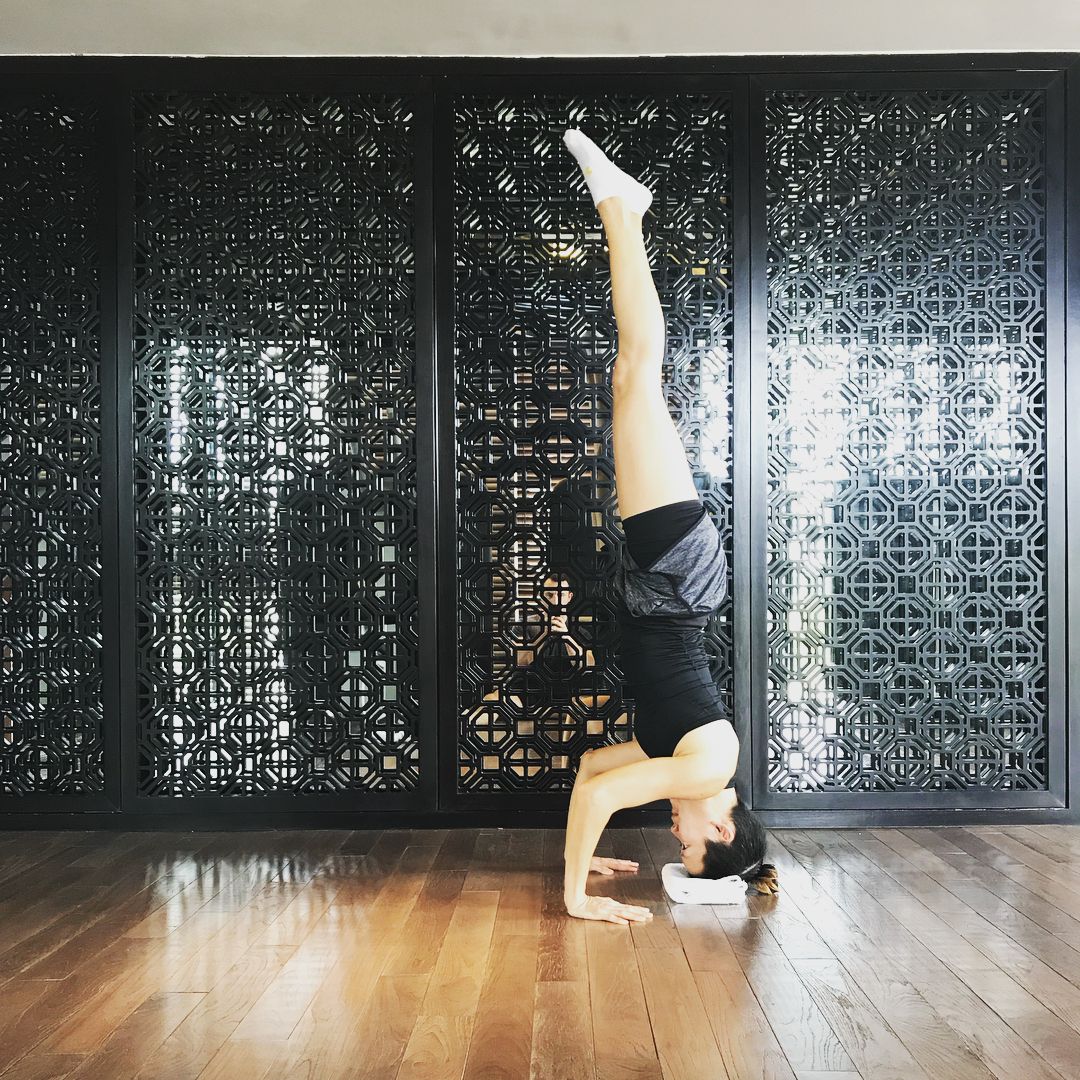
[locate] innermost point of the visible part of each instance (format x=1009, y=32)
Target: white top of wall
x=533, y=27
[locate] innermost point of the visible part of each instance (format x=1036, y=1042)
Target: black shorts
x=687, y=577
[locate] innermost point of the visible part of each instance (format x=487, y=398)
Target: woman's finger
x=629, y=913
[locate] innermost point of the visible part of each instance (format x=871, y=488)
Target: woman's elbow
x=585, y=769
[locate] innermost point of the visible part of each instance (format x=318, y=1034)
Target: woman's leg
x=650, y=460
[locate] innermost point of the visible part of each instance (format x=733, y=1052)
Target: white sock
x=602, y=176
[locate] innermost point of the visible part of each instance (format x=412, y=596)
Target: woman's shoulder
x=716, y=743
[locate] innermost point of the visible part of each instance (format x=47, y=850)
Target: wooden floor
x=951, y=953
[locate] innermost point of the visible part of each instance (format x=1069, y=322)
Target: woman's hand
x=609, y=866
x=607, y=909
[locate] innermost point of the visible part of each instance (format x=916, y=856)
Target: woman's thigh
x=650, y=459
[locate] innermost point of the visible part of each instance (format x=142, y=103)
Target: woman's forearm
x=584, y=827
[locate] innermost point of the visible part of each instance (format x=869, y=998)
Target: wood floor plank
x=644, y=889
x=289, y=995
x=685, y=1044
x=1063, y=896
x=456, y=851
x=1034, y=905
x=191, y=1047
x=1005, y=992
x=938, y=1048
x=502, y=1035
x=491, y=860
x=90, y=1023
x=623, y=1041
x=418, y=951
x=1062, y=873
x=247, y=1059
x=563, y=1038
x=123, y=1053
x=703, y=940
x=193, y=958
x=58, y=946
x=748, y=1045
x=20, y=1000
x=995, y=916
x=44, y=1067
x=561, y=955
x=801, y=1028
x=862, y=856
x=360, y=841
x=438, y=1044
x=846, y=907
x=385, y=1026
x=863, y=983
x=333, y=1031
x=867, y=1038
x=25, y=859
x=302, y=910
x=1053, y=847
x=64, y=997
x=997, y=923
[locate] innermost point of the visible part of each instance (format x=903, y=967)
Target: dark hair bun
x=763, y=879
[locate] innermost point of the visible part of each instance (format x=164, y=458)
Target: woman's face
x=692, y=825
x=557, y=592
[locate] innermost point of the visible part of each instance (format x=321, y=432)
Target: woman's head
x=720, y=837
x=556, y=591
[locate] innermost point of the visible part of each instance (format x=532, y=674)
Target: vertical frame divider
x=112, y=565
x=426, y=447
x=445, y=458
x=743, y=344
x=1057, y=729
x=1071, y=441
x=125, y=539
x=756, y=479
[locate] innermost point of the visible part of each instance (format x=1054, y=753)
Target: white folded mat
x=684, y=889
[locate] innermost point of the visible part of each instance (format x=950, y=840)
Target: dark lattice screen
x=534, y=342
x=275, y=430
x=907, y=543
x=50, y=448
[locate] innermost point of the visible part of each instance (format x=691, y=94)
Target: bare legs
x=650, y=460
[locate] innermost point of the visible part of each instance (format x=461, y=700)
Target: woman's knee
x=636, y=371
x=587, y=764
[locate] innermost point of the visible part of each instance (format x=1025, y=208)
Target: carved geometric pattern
x=275, y=452
x=534, y=343
x=907, y=543
x=50, y=449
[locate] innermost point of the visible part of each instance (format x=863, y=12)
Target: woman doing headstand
x=671, y=577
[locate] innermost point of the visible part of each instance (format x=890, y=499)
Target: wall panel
x=275, y=443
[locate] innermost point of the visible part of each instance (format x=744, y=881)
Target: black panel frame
x=13, y=85
x=576, y=84
x=226, y=808
x=1053, y=83
x=429, y=79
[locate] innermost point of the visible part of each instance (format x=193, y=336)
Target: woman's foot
x=603, y=177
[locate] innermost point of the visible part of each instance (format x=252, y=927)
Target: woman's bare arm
x=688, y=776
x=583, y=828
